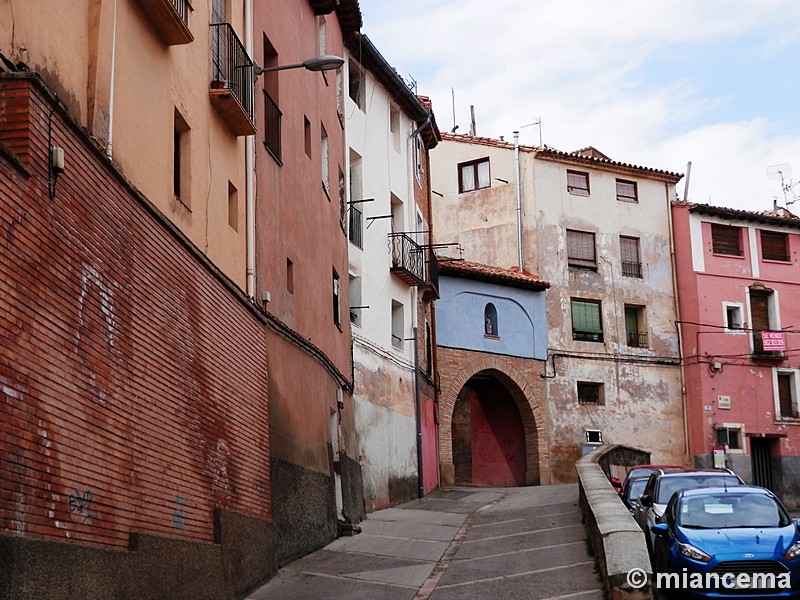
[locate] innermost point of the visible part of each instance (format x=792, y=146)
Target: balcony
x=760, y=353
x=272, y=127
x=407, y=259
x=231, y=89
x=637, y=339
x=631, y=269
x=170, y=19
x=355, y=232
x=432, y=274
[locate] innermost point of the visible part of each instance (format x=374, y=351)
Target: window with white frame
x=398, y=337
x=786, y=394
x=733, y=314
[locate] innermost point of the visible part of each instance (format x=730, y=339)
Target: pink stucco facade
x=737, y=276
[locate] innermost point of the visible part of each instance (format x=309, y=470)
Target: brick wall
x=522, y=378
x=132, y=374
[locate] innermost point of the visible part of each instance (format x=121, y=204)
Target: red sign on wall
x=773, y=341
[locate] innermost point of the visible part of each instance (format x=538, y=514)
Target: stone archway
x=521, y=379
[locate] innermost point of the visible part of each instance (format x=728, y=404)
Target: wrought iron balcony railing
x=355, y=231
x=631, y=269
x=231, y=79
x=637, y=339
x=407, y=259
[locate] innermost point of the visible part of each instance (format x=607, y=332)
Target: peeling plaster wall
x=639, y=390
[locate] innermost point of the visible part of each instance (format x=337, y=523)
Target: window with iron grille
x=726, y=240
x=631, y=257
x=587, y=323
x=635, y=326
x=580, y=250
x=578, y=183
x=473, y=175
x=774, y=246
x=590, y=393
x=627, y=191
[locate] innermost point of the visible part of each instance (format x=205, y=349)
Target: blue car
x=726, y=542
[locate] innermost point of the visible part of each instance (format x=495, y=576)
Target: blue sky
x=656, y=83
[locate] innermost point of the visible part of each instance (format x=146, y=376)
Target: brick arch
x=531, y=410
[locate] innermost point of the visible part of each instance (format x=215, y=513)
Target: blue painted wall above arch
x=520, y=327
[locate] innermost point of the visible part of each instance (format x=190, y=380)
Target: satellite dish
x=782, y=171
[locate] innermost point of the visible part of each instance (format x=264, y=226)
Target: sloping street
x=463, y=543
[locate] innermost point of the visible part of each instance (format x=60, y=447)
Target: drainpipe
x=519, y=200
x=111, y=85
x=421, y=486
x=249, y=166
x=686, y=447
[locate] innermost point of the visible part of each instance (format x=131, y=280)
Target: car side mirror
x=660, y=529
x=646, y=500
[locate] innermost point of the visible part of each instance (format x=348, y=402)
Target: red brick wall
x=132, y=375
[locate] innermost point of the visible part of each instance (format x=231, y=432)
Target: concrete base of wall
x=303, y=510
x=352, y=490
x=447, y=473
x=152, y=568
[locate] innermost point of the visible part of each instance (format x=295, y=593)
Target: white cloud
x=601, y=73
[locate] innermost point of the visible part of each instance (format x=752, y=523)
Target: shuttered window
x=631, y=259
x=774, y=246
x=578, y=183
x=626, y=191
x=759, y=317
x=726, y=240
x=580, y=250
x=587, y=324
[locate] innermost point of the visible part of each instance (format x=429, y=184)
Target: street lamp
x=326, y=62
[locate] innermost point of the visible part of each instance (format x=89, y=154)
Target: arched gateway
x=492, y=424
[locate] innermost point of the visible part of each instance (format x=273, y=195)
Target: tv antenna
x=538, y=122
x=783, y=172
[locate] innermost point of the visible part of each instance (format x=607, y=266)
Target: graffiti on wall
x=181, y=507
x=82, y=507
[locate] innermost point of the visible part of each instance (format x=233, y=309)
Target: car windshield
x=636, y=488
x=670, y=485
x=727, y=510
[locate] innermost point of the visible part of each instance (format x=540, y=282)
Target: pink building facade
x=738, y=284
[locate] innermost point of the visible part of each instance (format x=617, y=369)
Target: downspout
x=421, y=486
x=519, y=200
x=678, y=324
x=109, y=148
x=249, y=166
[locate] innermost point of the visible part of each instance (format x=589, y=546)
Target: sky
x=654, y=83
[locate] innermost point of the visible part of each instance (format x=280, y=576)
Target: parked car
x=661, y=485
x=636, y=479
x=727, y=530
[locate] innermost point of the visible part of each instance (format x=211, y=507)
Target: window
x=322, y=30
x=726, y=240
x=356, y=85
x=289, y=276
x=594, y=436
x=490, y=321
x=635, y=326
x=326, y=176
x=394, y=127
x=337, y=311
x=398, y=222
x=587, y=324
x=580, y=250
x=342, y=201
x=627, y=191
x=473, y=175
x=417, y=149
x=733, y=317
x=233, y=207
x=397, y=325
x=730, y=437
x=355, y=232
x=428, y=349
x=272, y=113
x=761, y=316
x=590, y=393
x=774, y=246
x=355, y=300
x=578, y=183
x=787, y=396
x=181, y=160
x=631, y=258
x=307, y=136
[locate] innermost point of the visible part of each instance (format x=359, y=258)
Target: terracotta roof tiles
x=491, y=274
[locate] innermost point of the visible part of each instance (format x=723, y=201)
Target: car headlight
x=695, y=553
x=793, y=552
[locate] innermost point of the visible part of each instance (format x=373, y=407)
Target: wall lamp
x=326, y=62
